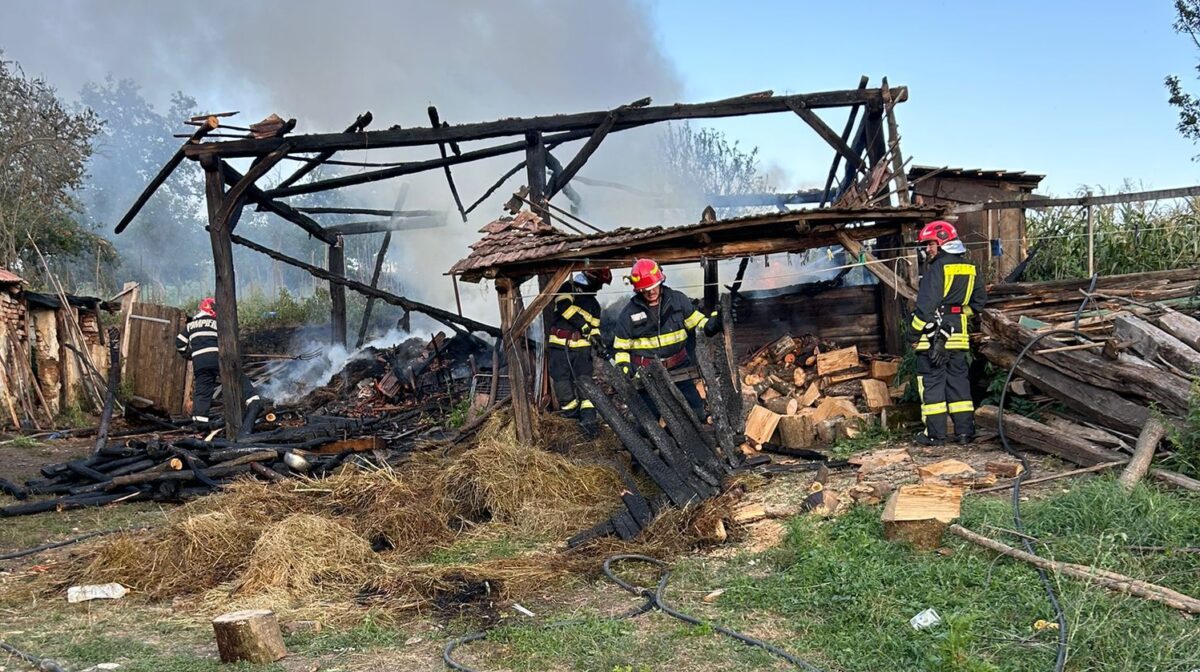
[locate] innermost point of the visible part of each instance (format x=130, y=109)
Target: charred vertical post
x=711, y=289
x=114, y=382
x=508, y=294
x=535, y=164
x=226, y=294
x=366, y=319
x=337, y=292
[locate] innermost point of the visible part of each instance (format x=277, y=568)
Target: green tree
x=44, y=150
x=1187, y=21
x=703, y=160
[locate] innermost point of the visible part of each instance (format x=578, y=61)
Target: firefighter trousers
x=204, y=385
x=945, y=390
x=566, y=366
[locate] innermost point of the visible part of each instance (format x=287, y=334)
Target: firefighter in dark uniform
x=198, y=342
x=656, y=324
x=575, y=327
x=949, y=294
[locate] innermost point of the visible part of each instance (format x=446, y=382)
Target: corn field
x=1129, y=238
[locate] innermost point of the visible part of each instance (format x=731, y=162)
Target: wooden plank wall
x=846, y=315
x=156, y=371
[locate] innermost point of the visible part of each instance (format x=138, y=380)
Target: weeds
x=23, y=442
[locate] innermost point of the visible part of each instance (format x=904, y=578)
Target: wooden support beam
x=233, y=197
x=508, y=293
x=556, y=169
x=898, y=173
x=210, y=123
x=712, y=287
x=1038, y=202
x=231, y=176
x=377, y=212
x=386, y=225
x=827, y=134
x=359, y=124
x=366, y=318
x=226, y=295
x=879, y=270
x=444, y=316
x=437, y=123
x=535, y=164
x=499, y=183
x=584, y=153
x=585, y=121
x=337, y=294
x=837, y=157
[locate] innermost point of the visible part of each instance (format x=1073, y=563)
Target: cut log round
x=251, y=635
x=797, y=431
x=919, y=514
x=783, y=405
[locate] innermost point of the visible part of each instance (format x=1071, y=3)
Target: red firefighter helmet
x=646, y=274
x=939, y=232
x=600, y=276
x=208, y=305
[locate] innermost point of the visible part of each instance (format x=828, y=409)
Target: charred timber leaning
x=114, y=382
x=437, y=313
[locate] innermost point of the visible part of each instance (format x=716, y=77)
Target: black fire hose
x=45, y=664
x=654, y=599
x=1059, y=616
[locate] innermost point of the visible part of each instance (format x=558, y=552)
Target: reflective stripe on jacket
x=950, y=284
x=655, y=332
x=576, y=310
x=198, y=342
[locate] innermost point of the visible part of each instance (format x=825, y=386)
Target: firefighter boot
x=588, y=423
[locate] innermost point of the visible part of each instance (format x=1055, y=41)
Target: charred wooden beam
x=444, y=316
x=227, y=327
x=587, y=121
x=387, y=225
x=433, y=119
x=593, y=143
x=827, y=134
x=378, y=212
x=499, y=183
x=231, y=176
x=337, y=293
x=114, y=382
x=508, y=295
x=845, y=137
x=209, y=124
x=724, y=402
x=556, y=169
x=366, y=318
x=535, y=164
x=678, y=491
x=359, y=124
x=681, y=420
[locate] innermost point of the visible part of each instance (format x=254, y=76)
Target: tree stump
x=919, y=514
x=251, y=635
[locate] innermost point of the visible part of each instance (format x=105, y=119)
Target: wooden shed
x=994, y=238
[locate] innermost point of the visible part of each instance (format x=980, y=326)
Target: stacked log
x=1138, y=360
x=800, y=392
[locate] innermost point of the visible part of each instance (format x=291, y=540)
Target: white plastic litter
x=925, y=620
x=102, y=591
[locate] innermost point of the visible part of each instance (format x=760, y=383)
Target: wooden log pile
x=686, y=459
x=188, y=467
x=1138, y=358
x=802, y=392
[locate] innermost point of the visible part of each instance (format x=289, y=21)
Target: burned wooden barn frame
x=866, y=163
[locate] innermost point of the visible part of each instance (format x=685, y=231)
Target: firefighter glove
x=715, y=324
x=937, y=353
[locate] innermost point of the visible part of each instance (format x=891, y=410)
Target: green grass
x=28, y=531
x=872, y=438
x=369, y=635
x=850, y=593
x=23, y=442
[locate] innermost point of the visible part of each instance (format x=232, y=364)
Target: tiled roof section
x=8, y=277
x=509, y=241
x=917, y=172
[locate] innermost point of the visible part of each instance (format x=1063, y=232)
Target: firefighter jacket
x=198, y=342
x=951, y=286
x=576, y=316
x=644, y=332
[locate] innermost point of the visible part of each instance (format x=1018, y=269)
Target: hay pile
x=371, y=539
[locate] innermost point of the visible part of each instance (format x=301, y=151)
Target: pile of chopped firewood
x=799, y=392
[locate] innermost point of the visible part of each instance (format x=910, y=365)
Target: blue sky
x=1069, y=89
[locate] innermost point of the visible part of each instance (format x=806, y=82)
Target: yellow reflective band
x=570, y=311
x=621, y=358
x=961, y=407
x=696, y=319
x=587, y=403
x=933, y=409
x=953, y=271
x=653, y=342
x=622, y=343
x=918, y=323
x=921, y=387
x=570, y=405
x=569, y=343
x=587, y=317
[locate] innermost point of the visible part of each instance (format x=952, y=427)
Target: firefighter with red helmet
x=198, y=343
x=656, y=325
x=949, y=294
x=574, y=329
